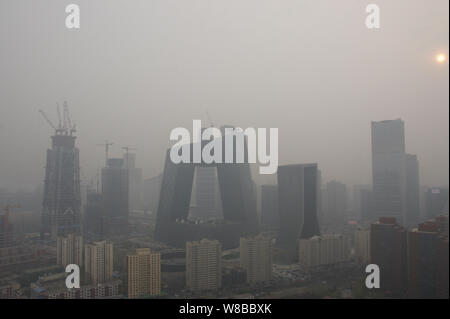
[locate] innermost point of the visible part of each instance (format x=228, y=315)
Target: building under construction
x=62, y=201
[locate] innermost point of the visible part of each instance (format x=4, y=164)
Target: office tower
x=61, y=212
x=135, y=181
x=203, y=265
x=98, y=262
x=412, y=190
x=236, y=191
x=256, y=258
x=151, y=190
x=366, y=205
x=69, y=250
x=144, y=273
x=359, y=201
x=205, y=201
x=269, y=207
x=94, y=217
x=362, y=246
x=428, y=262
x=323, y=250
x=436, y=202
x=297, y=199
x=395, y=174
x=388, y=251
x=335, y=204
x=115, y=196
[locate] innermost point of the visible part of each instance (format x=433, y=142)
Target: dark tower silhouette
x=297, y=197
x=238, y=203
x=62, y=201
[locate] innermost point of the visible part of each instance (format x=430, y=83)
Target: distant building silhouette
x=436, y=202
x=270, y=218
x=428, y=260
x=115, y=196
x=62, y=202
x=388, y=250
x=335, y=203
x=238, y=203
x=395, y=174
x=297, y=198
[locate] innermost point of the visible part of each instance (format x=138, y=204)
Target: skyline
x=288, y=69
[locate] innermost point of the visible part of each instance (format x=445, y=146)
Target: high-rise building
x=203, y=265
x=98, y=262
x=388, y=250
x=69, y=250
x=270, y=218
x=359, y=202
x=144, y=273
x=94, y=221
x=115, y=196
x=436, y=202
x=362, y=246
x=134, y=181
x=428, y=261
x=256, y=258
x=206, y=202
x=151, y=190
x=395, y=174
x=237, y=193
x=323, y=250
x=335, y=203
x=297, y=198
x=62, y=200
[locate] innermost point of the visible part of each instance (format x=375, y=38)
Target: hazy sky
x=137, y=69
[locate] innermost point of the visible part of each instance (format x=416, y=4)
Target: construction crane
x=106, y=145
x=68, y=125
x=48, y=120
x=65, y=125
x=127, y=150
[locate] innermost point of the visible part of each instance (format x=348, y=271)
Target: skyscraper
x=134, y=181
x=335, y=203
x=94, y=220
x=436, y=202
x=98, y=262
x=237, y=193
x=428, y=262
x=395, y=174
x=69, y=250
x=203, y=265
x=388, y=250
x=256, y=258
x=115, y=196
x=297, y=198
x=206, y=200
x=62, y=202
x=270, y=218
x=144, y=273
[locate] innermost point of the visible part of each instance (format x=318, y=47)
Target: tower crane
x=106, y=145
